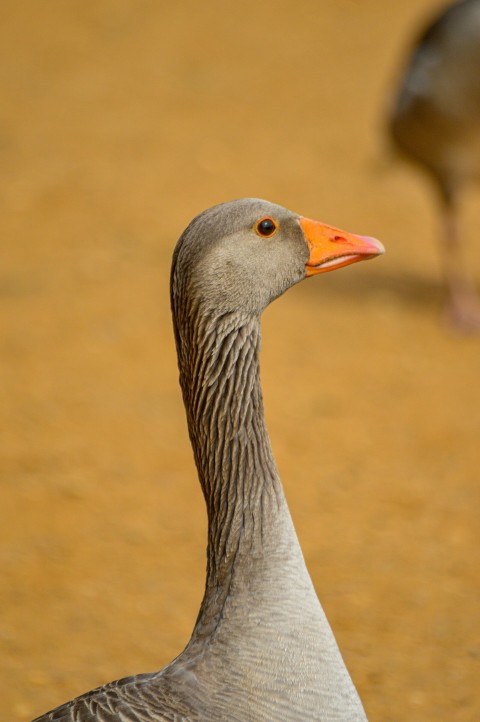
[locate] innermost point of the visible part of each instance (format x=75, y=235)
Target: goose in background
x=261, y=649
x=435, y=122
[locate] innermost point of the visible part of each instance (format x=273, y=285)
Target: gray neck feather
x=259, y=607
x=219, y=376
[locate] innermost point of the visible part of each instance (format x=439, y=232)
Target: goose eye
x=266, y=227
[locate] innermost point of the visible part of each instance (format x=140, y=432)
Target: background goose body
x=436, y=122
x=261, y=649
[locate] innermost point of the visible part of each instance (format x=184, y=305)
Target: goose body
x=262, y=649
x=435, y=122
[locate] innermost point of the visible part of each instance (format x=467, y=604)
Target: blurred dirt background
x=119, y=121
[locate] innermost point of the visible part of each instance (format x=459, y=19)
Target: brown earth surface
x=119, y=121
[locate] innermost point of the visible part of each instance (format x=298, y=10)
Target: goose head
x=241, y=255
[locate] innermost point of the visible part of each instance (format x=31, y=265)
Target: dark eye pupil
x=266, y=227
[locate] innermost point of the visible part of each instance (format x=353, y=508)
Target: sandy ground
x=119, y=121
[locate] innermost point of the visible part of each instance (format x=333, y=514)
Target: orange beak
x=331, y=248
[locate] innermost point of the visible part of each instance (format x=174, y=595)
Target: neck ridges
x=219, y=374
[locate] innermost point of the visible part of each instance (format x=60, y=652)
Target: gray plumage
x=435, y=121
x=261, y=649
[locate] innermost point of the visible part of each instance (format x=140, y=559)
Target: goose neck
x=219, y=374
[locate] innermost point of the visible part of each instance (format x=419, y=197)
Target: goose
x=261, y=649
x=435, y=122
